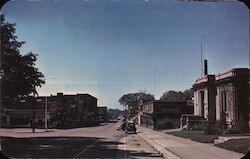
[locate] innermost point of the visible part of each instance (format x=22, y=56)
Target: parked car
x=130, y=128
x=121, y=126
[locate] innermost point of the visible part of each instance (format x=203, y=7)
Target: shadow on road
x=65, y=147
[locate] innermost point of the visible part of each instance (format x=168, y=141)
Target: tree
x=177, y=95
x=132, y=100
x=172, y=95
x=114, y=113
x=18, y=74
x=188, y=94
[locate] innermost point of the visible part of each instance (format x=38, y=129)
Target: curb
x=162, y=150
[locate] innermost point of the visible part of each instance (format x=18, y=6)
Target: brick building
x=159, y=114
x=102, y=113
x=224, y=98
x=64, y=111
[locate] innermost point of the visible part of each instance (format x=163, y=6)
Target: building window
x=224, y=101
x=201, y=102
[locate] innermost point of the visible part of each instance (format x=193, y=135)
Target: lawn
x=195, y=135
x=237, y=145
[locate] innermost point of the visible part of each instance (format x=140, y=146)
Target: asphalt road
x=102, y=141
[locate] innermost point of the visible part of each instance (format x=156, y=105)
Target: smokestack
x=205, y=67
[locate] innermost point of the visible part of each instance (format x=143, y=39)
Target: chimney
x=205, y=67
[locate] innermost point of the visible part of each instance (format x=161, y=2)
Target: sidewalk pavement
x=27, y=132
x=172, y=147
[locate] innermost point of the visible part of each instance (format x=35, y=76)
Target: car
x=121, y=126
x=130, y=128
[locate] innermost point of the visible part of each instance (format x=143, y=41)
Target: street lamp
x=46, y=111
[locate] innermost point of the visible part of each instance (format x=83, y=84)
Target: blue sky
x=108, y=48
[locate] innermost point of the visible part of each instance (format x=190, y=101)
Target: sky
x=108, y=48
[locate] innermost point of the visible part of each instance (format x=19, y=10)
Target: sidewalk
x=172, y=147
x=27, y=132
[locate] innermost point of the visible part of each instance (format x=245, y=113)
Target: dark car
x=120, y=126
x=123, y=126
x=130, y=128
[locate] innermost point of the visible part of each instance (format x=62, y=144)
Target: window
x=224, y=101
x=201, y=102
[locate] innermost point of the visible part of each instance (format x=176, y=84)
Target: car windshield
x=131, y=125
x=124, y=79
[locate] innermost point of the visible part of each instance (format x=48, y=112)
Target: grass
x=237, y=145
x=195, y=135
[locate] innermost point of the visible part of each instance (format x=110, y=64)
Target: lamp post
x=46, y=111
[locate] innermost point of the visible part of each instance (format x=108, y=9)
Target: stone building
x=232, y=99
x=224, y=98
x=204, y=97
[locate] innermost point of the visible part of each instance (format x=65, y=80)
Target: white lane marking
x=86, y=148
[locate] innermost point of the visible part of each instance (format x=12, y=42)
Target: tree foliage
x=188, y=94
x=132, y=100
x=19, y=76
x=177, y=95
x=114, y=113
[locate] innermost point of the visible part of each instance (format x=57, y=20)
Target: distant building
x=64, y=111
x=224, y=98
x=102, y=113
x=159, y=114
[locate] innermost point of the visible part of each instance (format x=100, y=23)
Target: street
x=102, y=141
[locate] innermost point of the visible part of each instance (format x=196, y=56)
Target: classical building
x=160, y=114
x=63, y=111
x=232, y=99
x=224, y=98
x=204, y=97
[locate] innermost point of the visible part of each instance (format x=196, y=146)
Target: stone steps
x=221, y=140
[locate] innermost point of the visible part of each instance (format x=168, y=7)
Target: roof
x=232, y=73
x=204, y=79
x=166, y=101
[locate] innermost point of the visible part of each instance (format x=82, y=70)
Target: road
x=102, y=141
